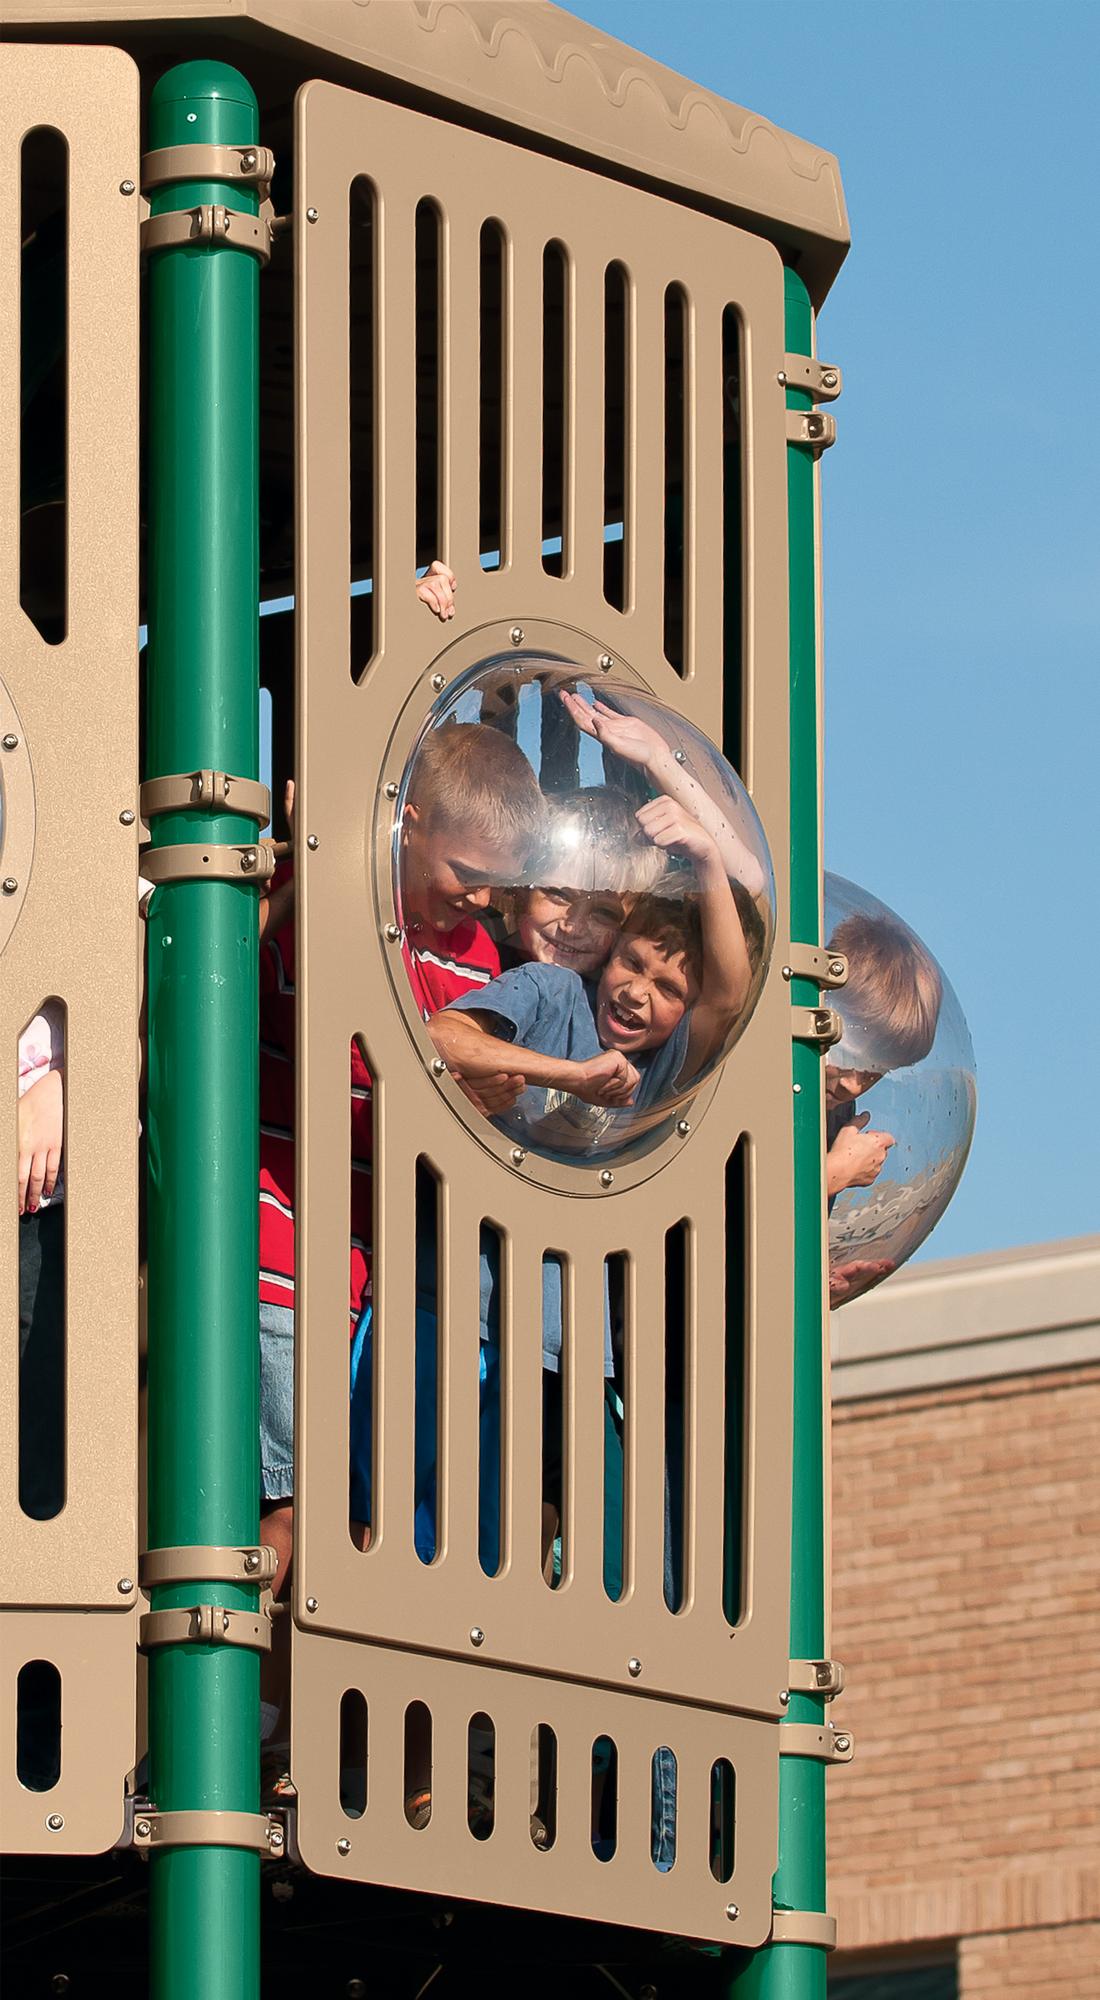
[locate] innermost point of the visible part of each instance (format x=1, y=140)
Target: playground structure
x=508, y=294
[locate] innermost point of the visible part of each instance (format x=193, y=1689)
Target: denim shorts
x=276, y=1401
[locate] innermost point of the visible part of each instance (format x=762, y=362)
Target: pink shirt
x=42, y=1048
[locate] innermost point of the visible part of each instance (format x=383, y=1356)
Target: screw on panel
x=392, y=789
x=127, y=817
x=477, y=1636
x=680, y=756
x=439, y=681
x=142, y=1828
x=605, y=663
x=125, y=1585
x=842, y=1743
x=516, y=635
x=313, y=842
x=10, y=885
x=732, y=1912
x=392, y=933
x=55, y=1822
x=784, y=1697
x=253, y=1559
x=836, y=967
x=633, y=1668
x=11, y=742
x=249, y=859
x=829, y=378
x=248, y=161
x=781, y=378
x=275, y=1836
x=126, y=187
x=683, y=1127
x=797, y=1088
x=439, y=1067
x=311, y=214
x=343, y=1846
x=311, y=1604
x=607, y=1178
x=518, y=1156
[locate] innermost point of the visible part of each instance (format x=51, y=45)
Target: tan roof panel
x=531, y=65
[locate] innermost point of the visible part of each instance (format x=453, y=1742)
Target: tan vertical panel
x=460, y=428
x=646, y=477
x=521, y=1410
x=585, y=1427
x=703, y=487
x=459, y=1342
x=523, y=401
x=77, y=705
x=645, y=1423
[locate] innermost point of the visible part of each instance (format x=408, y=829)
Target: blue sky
x=961, y=522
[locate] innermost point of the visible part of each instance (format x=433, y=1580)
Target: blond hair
x=469, y=776
x=894, y=987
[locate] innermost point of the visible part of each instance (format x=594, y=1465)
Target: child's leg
x=277, y=1506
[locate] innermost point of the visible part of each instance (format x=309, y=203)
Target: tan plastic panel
x=75, y=936
x=573, y=1633
x=94, y=1655
x=445, y=1857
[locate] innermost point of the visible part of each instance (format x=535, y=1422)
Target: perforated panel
x=68, y=930
x=582, y=1656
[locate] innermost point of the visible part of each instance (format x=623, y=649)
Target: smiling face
x=445, y=872
x=643, y=995
x=569, y=927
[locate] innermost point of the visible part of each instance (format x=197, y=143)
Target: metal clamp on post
x=822, y=1025
x=810, y=377
x=206, y=1625
x=210, y=222
x=205, y=791
x=823, y=1677
x=811, y=429
x=249, y=166
x=263, y=1833
x=819, y=1740
x=812, y=961
x=198, y=861
x=200, y=1563
x=804, y=1927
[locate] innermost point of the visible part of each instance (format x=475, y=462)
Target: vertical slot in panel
x=588, y=1355
x=583, y=481
x=675, y=483
x=644, y=514
x=734, y=721
x=736, y=1398
x=555, y=1527
x=481, y=1748
x=426, y=1424
x=418, y=1765
x=523, y=407
x=354, y=1745
x=523, y=1399
x=363, y=1331
x=616, y=347
x=662, y=1835
x=492, y=504
x=489, y=1481
x=38, y=1726
x=44, y=382
x=362, y=385
x=544, y=1787
x=723, y=1792
x=677, y=1471
x=429, y=362
x=615, y=1399
x=646, y=1492
x=555, y=406
x=42, y=1291
x=605, y=1798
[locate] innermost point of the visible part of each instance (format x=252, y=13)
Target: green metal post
x=202, y=1116
x=797, y=1971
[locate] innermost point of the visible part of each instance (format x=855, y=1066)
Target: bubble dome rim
x=434, y=690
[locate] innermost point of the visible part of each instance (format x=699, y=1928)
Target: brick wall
x=967, y=1613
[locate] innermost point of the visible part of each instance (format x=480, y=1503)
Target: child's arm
x=466, y=1039
x=638, y=743
x=727, y=973
x=40, y=1124
x=436, y=588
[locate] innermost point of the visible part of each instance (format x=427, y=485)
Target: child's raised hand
x=606, y=1079
x=856, y=1156
x=672, y=827
x=40, y=1125
x=437, y=589
x=288, y=806
x=634, y=741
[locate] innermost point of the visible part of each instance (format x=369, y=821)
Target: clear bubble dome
x=900, y=1090
x=604, y=851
